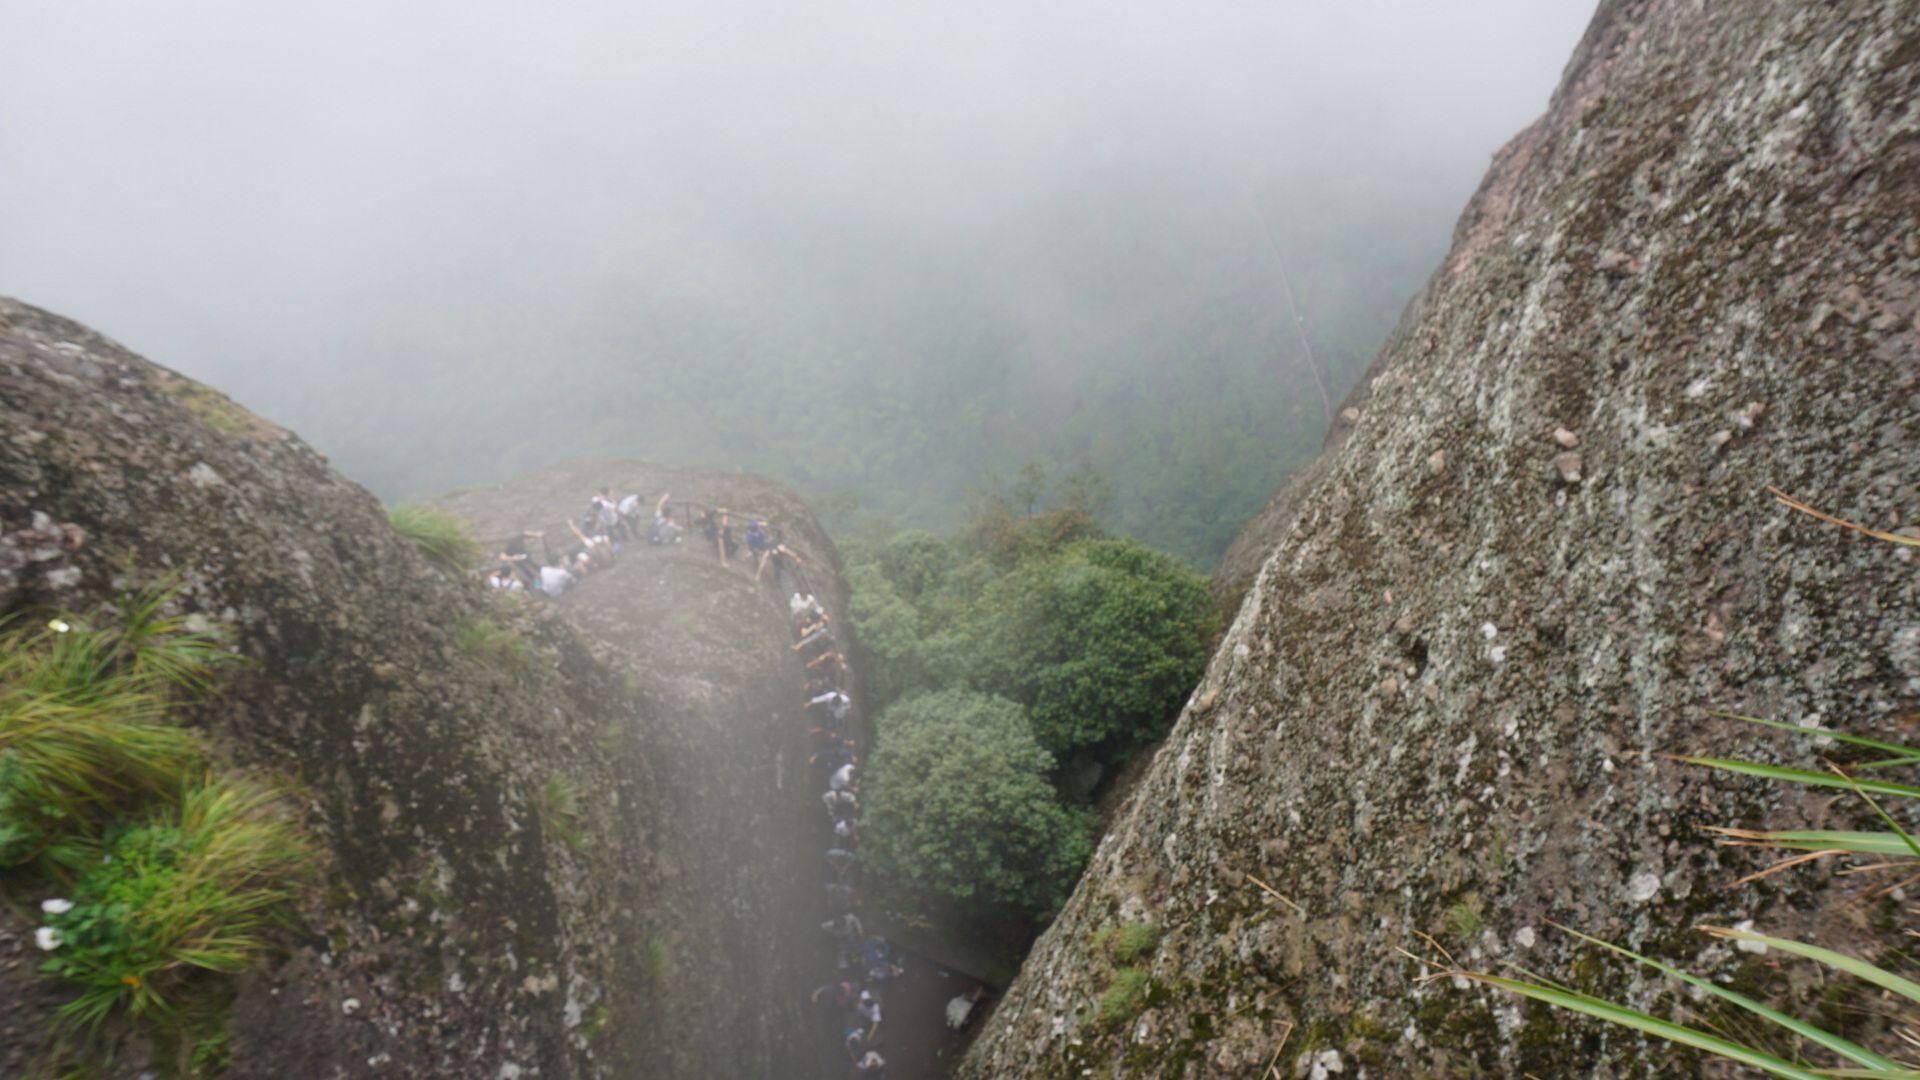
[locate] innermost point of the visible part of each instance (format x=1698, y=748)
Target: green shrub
x=915, y=562
x=1025, y=643
x=189, y=888
x=441, y=535
x=1035, y=514
x=1101, y=642
x=1125, y=996
x=958, y=804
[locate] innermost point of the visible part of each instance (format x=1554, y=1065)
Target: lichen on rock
x=1715, y=228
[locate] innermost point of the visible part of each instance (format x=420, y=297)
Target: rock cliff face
x=1542, y=553
x=458, y=934
x=706, y=647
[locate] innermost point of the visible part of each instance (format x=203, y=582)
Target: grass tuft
x=165, y=650
x=1462, y=918
x=84, y=728
x=657, y=963
x=441, y=535
x=558, y=808
x=1125, y=996
x=1131, y=942
x=171, y=871
x=491, y=641
x=194, y=887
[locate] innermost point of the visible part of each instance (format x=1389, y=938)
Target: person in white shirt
x=842, y=779
x=629, y=509
x=869, y=1010
x=555, y=579
x=960, y=1008
x=841, y=804
x=504, y=580
x=835, y=702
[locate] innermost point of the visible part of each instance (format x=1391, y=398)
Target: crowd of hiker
x=852, y=998
x=530, y=563
x=603, y=531
x=863, y=963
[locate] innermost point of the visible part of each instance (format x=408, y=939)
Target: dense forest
x=1154, y=242
x=1014, y=665
x=1136, y=326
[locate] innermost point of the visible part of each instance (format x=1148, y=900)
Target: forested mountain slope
x=523, y=844
x=1544, y=552
x=1126, y=324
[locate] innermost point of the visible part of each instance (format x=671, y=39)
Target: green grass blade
x=1864, y=843
x=1837, y=736
x=1832, y=1042
x=1651, y=1025
x=1803, y=776
x=1860, y=969
x=1913, y=849
x=441, y=535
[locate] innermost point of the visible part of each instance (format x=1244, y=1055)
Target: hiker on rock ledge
x=663, y=530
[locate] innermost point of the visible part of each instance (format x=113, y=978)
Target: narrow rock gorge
x=1547, y=546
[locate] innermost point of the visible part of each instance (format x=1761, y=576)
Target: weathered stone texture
x=1541, y=555
x=454, y=935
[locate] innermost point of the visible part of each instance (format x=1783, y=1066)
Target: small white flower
x=59, y=626
x=56, y=906
x=47, y=938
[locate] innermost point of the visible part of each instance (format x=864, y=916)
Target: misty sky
x=310, y=205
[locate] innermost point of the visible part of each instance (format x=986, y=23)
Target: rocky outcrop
x=1541, y=556
x=707, y=648
x=428, y=729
